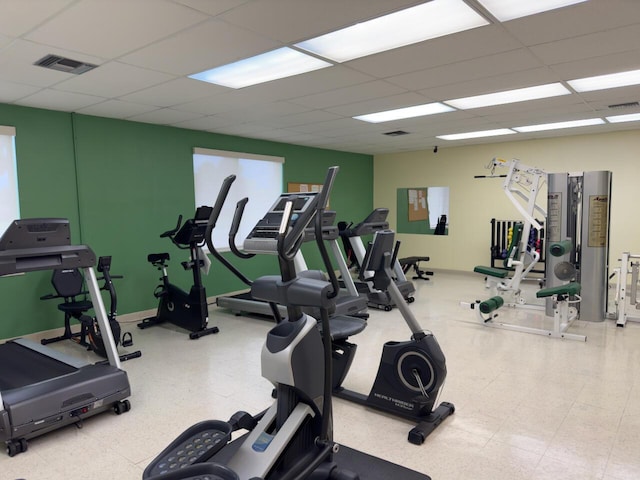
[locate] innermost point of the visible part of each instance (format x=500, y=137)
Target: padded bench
x=572, y=288
x=413, y=262
x=492, y=271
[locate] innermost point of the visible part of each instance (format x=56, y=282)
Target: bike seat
x=158, y=258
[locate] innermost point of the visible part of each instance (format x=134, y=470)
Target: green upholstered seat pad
x=568, y=289
x=491, y=271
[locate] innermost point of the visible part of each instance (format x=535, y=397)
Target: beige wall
x=473, y=202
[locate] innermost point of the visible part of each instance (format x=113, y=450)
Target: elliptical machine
x=186, y=310
x=292, y=440
x=412, y=372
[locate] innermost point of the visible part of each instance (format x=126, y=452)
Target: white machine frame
x=521, y=186
x=627, y=265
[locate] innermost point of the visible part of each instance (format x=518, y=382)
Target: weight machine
x=629, y=264
x=576, y=238
x=521, y=185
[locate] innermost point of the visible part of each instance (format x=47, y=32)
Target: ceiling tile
x=199, y=48
x=164, y=116
x=265, y=112
x=469, y=70
x=174, y=92
x=57, y=100
x=351, y=94
x=10, y=92
x=209, y=123
x=290, y=21
x=113, y=79
x=113, y=28
x=580, y=19
x=586, y=46
x=589, y=67
x=466, y=45
x=303, y=118
x=27, y=14
x=212, y=8
x=116, y=109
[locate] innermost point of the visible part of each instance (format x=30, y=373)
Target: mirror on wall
x=423, y=210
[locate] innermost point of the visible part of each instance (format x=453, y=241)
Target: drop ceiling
x=145, y=50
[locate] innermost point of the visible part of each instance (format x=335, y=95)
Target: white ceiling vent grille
x=396, y=133
x=625, y=105
x=55, y=62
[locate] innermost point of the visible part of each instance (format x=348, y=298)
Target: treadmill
x=350, y=302
x=352, y=239
x=42, y=389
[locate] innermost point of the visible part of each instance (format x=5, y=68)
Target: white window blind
x=258, y=177
x=9, y=201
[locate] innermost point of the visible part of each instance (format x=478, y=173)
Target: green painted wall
x=123, y=183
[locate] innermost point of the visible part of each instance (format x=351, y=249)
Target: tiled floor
x=527, y=406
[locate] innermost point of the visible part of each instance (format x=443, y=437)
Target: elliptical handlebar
x=213, y=218
x=235, y=225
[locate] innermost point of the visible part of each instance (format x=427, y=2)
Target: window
x=258, y=177
x=9, y=202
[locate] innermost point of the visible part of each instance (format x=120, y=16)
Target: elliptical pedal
x=195, y=445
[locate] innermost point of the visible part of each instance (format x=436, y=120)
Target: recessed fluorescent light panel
x=280, y=63
x=630, y=117
x=479, y=134
x=510, y=96
x=602, y=82
x=412, y=25
x=505, y=10
x=407, y=112
x=558, y=125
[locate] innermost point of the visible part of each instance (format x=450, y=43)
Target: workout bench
x=414, y=262
x=563, y=313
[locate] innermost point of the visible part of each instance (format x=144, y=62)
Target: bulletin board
x=417, y=204
x=413, y=210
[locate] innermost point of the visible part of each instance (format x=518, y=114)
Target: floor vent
x=396, y=133
x=55, y=62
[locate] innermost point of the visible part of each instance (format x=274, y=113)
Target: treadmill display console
x=36, y=233
x=263, y=237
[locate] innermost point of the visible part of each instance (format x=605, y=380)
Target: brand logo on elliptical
x=395, y=401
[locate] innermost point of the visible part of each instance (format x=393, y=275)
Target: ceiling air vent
x=55, y=62
x=625, y=105
x=396, y=133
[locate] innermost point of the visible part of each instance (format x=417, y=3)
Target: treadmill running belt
x=21, y=366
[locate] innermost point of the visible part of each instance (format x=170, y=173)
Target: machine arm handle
x=213, y=218
x=235, y=225
x=217, y=207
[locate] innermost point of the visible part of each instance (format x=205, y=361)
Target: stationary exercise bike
x=186, y=310
x=69, y=285
x=94, y=336
x=412, y=372
x=292, y=440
